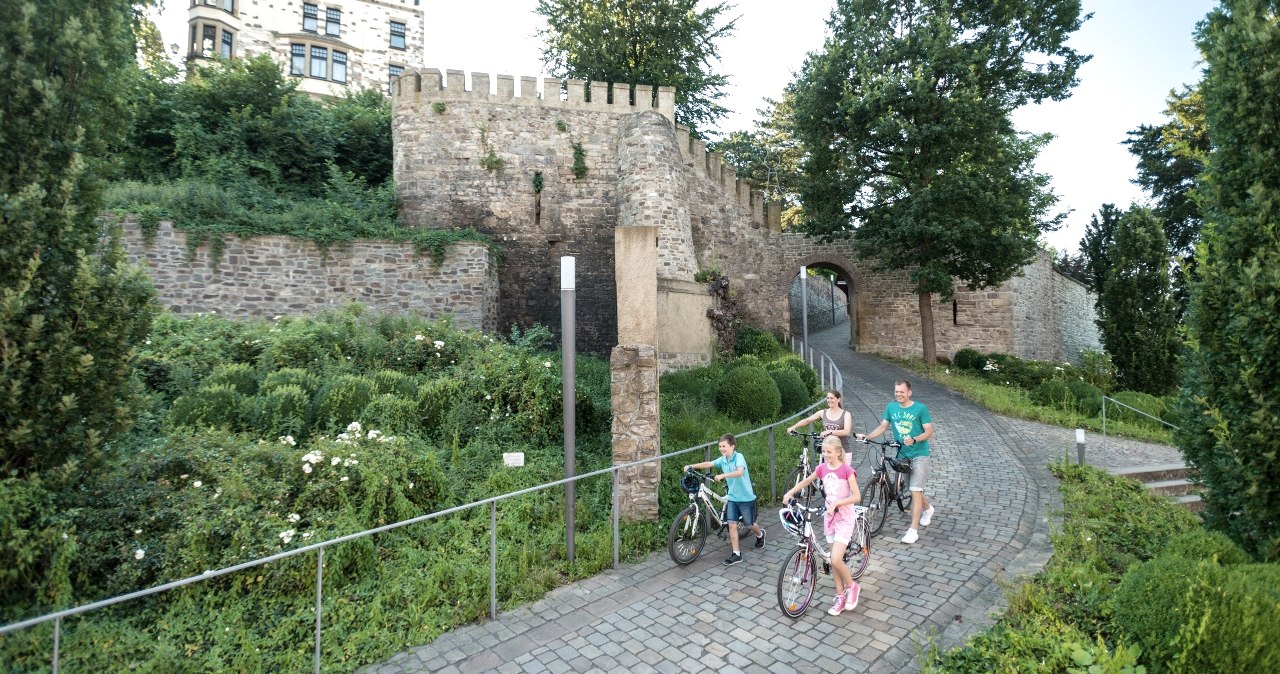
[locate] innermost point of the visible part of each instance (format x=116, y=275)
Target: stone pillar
x=633, y=368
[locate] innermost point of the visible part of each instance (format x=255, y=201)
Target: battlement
x=427, y=84
x=712, y=165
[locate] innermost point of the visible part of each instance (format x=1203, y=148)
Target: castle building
x=330, y=46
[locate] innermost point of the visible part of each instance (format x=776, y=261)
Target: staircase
x=1169, y=480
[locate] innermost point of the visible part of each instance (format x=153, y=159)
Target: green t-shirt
x=909, y=421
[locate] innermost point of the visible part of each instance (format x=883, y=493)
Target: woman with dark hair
x=835, y=420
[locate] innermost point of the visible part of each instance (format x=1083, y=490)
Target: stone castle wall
x=279, y=275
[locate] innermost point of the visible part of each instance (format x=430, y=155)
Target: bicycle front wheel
x=688, y=536
x=903, y=492
x=797, y=581
x=858, y=554
x=877, y=500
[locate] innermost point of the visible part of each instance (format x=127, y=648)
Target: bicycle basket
x=690, y=483
x=901, y=465
x=792, y=521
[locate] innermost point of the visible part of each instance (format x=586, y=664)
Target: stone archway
x=841, y=270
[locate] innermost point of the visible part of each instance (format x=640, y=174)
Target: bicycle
x=798, y=577
x=890, y=478
x=688, y=534
x=806, y=467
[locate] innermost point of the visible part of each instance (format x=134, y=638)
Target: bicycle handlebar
x=882, y=443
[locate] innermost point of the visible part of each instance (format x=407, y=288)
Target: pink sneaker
x=838, y=605
x=851, y=597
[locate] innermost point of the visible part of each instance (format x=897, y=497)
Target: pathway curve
x=993, y=495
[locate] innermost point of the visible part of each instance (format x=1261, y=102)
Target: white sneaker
x=926, y=517
x=911, y=537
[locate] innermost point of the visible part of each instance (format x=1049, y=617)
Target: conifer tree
x=1232, y=394
x=71, y=311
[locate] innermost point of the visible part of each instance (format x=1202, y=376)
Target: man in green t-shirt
x=912, y=426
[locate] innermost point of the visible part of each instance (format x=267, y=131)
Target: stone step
x=1191, y=502
x=1154, y=472
x=1178, y=487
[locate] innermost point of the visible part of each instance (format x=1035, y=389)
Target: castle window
x=310, y=14
x=320, y=62
x=298, y=59
x=332, y=21
x=227, y=40
x=397, y=35
x=229, y=6
x=208, y=38
x=339, y=66
x=392, y=73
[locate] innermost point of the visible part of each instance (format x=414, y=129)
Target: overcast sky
x=1141, y=50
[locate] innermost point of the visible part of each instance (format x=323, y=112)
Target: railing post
x=1104, y=422
x=319, y=601
x=493, y=560
x=1080, y=446
x=773, y=478
x=617, y=534
x=57, y=642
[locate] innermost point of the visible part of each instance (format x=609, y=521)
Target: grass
x=1015, y=402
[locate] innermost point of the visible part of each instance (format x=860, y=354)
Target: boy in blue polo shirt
x=742, y=498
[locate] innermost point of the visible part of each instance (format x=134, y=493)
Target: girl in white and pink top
x=840, y=483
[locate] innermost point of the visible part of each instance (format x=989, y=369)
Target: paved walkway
x=993, y=495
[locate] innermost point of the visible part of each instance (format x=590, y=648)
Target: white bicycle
x=798, y=577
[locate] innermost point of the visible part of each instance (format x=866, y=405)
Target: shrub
x=807, y=374
x=1191, y=616
x=1035, y=372
x=435, y=398
x=341, y=401
x=281, y=410
x=1144, y=402
x=212, y=405
x=393, y=382
x=791, y=390
x=1088, y=397
x=969, y=359
x=757, y=342
x=1004, y=368
x=1054, y=393
x=292, y=376
x=391, y=413
x=1200, y=543
x=748, y=393
x=239, y=376
x=1097, y=369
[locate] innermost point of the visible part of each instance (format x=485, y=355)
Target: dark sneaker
x=733, y=559
x=760, y=540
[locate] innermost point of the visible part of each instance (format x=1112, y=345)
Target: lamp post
x=568, y=300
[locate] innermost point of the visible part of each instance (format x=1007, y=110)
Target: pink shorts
x=839, y=527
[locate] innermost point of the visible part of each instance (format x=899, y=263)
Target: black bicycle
x=810, y=446
x=890, y=480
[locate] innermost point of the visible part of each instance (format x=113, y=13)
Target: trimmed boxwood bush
x=1054, y=393
x=807, y=374
x=397, y=383
x=792, y=391
x=757, y=342
x=341, y=402
x=1088, y=397
x=969, y=359
x=211, y=405
x=391, y=413
x=435, y=398
x=1199, y=543
x=281, y=410
x=239, y=376
x=292, y=376
x=748, y=393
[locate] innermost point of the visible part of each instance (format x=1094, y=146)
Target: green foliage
x=1143, y=402
x=211, y=405
x=929, y=170
x=674, y=46
x=71, y=310
x=792, y=391
x=36, y=548
x=769, y=157
x=757, y=342
x=394, y=382
x=579, y=161
x=307, y=382
x=438, y=107
x=281, y=410
x=1087, y=396
x=748, y=393
x=1097, y=369
x=239, y=376
x=1203, y=544
x=797, y=365
x=1232, y=379
x=1136, y=315
x=1053, y=393
x=969, y=359
x=341, y=401
x=392, y=414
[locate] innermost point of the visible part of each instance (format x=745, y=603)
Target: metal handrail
x=1117, y=402
x=56, y=617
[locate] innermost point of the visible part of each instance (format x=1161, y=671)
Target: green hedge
x=748, y=393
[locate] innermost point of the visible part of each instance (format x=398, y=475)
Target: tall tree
x=904, y=118
x=1232, y=392
x=658, y=42
x=70, y=310
x=1097, y=244
x=769, y=157
x=1136, y=317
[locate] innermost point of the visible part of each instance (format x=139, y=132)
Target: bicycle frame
x=887, y=484
x=797, y=579
x=707, y=511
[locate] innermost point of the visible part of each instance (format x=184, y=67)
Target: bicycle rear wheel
x=797, y=580
x=688, y=536
x=858, y=554
x=806, y=496
x=877, y=500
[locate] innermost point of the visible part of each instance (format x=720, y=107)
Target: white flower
x=1055, y=367
x=335, y=461
x=148, y=342
x=197, y=484
x=294, y=517
x=137, y=532
x=183, y=476
x=373, y=434
x=286, y=536
x=65, y=537
x=991, y=366
x=349, y=462
x=306, y=468
x=353, y=427
x=488, y=397
x=386, y=438
x=342, y=479
x=275, y=318
x=139, y=554
x=438, y=344
x=306, y=535
x=947, y=370
x=411, y=485
x=288, y=440
x=546, y=364
x=418, y=338
x=314, y=456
